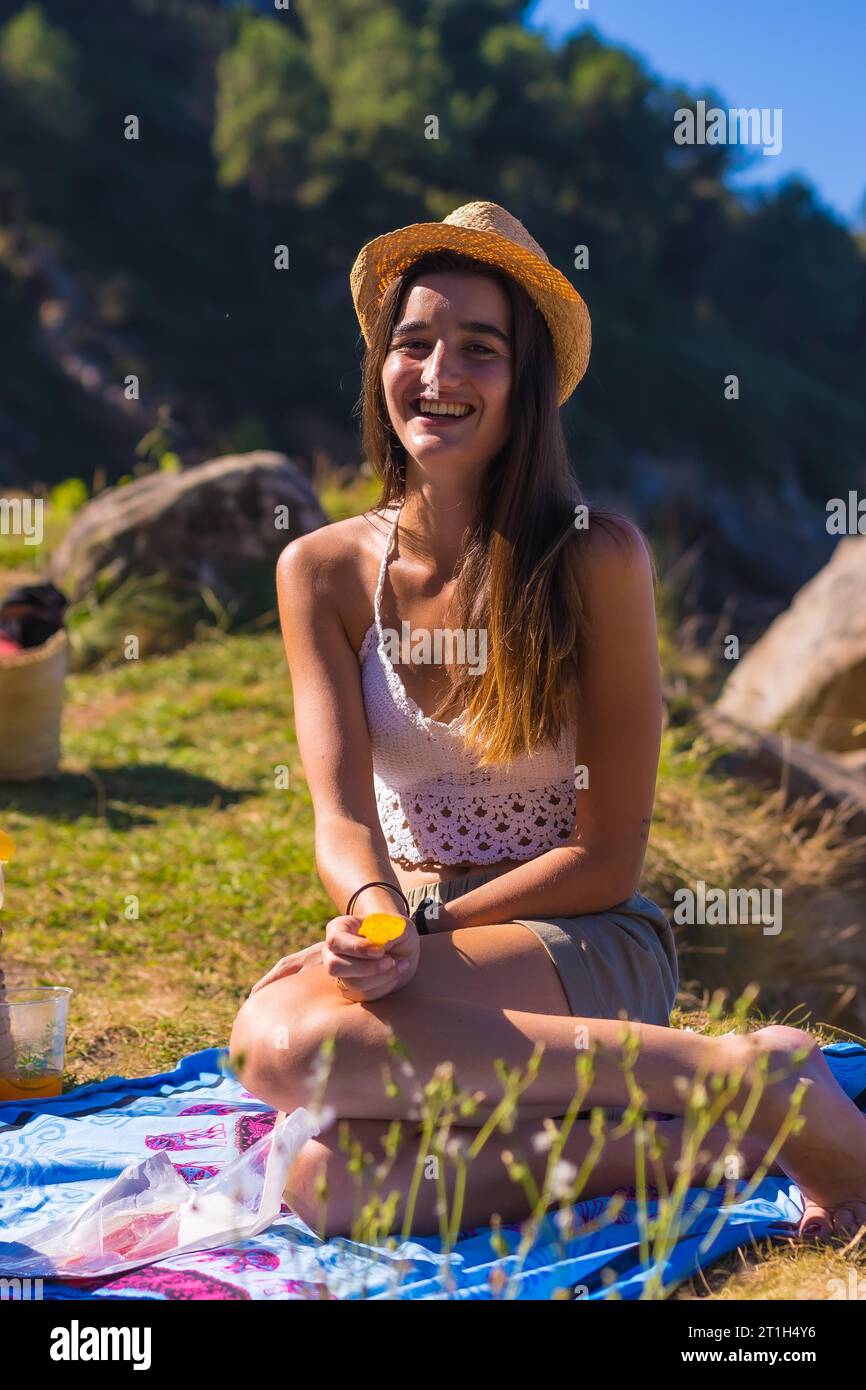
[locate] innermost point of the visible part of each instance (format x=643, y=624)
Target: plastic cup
x=32, y=1042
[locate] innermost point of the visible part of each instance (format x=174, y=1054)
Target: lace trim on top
x=441, y=828
x=436, y=805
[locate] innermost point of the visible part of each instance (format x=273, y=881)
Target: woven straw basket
x=31, y=708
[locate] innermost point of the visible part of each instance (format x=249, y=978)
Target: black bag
x=32, y=613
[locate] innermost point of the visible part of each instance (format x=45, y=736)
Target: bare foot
x=827, y=1158
x=817, y=1222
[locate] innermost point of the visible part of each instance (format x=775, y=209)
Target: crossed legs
x=492, y=992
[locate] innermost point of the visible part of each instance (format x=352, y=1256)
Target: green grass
x=17, y=552
x=340, y=501
x=167, y=793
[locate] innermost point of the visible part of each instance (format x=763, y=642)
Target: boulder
x=733, y=550
x=807, y=674
x=802, y=773
x=219, y=525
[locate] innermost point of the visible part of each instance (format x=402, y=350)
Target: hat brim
x=563, y=308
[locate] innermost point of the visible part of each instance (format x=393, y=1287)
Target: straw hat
x=488, y=232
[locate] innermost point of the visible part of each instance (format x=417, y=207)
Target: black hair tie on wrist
x=391, y=886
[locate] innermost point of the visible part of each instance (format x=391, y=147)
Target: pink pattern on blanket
x=189, y=1284
x=187, y=1139
x=296, y=1288
x=250, y=1128
x=211, y=1108
x=240, y=1260
x=196, y=1172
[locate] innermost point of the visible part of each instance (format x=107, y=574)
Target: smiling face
x=448, y=370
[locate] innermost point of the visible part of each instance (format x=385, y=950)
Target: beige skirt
x=621, y=962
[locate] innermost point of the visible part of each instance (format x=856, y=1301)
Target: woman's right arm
x=331, y=726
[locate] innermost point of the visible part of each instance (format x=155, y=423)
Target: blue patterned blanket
x=55, y=1155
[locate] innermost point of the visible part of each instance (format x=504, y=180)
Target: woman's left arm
x=618, y=737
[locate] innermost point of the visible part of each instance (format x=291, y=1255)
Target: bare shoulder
x=613, y=540
x=616, y=575
x=336, y=564
x=614, y=554
x=331, y=549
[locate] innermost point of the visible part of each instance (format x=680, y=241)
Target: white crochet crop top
x=436, y=805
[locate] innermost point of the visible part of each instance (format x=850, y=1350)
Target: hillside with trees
x=307, y=128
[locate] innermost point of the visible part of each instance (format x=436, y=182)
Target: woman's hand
x=365, y=971
x=291, y=965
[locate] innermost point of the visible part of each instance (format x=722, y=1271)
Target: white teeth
x=442, y=408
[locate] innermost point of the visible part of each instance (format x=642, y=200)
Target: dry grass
x=733, y=835
x=777, y=1271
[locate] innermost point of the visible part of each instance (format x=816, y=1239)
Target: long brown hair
x=519, y=573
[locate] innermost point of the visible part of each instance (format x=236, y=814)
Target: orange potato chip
x=7, y=847
x=382, y=927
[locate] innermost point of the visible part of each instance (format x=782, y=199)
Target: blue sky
x=806, y=56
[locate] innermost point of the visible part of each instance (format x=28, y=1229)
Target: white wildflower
x=563, y=1179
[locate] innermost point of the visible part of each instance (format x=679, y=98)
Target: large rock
x=220, y=525
x=807, y=674
x=825, y=780
x=737, y=550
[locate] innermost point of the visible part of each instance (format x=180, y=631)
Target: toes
x=817, y=1222
x=849, y=1220
x=821, y=1223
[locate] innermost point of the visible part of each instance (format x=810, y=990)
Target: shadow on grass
x=102, y=791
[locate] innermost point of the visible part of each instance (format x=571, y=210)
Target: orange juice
x=37, y=1085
